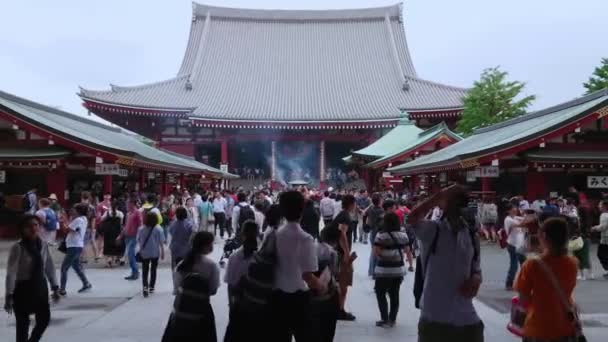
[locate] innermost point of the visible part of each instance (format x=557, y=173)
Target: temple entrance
x=250, y=159
x=209, y=154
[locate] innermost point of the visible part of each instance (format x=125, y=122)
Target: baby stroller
x=230, y=246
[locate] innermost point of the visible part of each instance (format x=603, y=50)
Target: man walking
x=129, y=234
x=326, y=207
x=219, y=212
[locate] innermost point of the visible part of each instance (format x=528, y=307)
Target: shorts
x=345, y=277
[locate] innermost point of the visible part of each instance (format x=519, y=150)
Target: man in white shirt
x=219, y=212
x=515, y=242
x=326, y=207
x=74, y=243
x=295, y=274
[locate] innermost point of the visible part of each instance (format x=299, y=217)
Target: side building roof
x=511, y=136
x=392, y=142
x=99, y=136
x=290, y=66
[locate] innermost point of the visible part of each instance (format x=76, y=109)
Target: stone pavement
x=115, y=311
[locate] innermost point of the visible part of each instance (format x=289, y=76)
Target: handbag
x=572, y=311
x=576, y=244
x=138, y=256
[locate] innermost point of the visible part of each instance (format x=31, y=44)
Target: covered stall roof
x=50, y=152
x=512, y=136
x=392, y=142
x=82, y=132
x=243, y=66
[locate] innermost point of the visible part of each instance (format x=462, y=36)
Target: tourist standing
x=230, y=203
x=28, y=270
x=310, y=219
x=294, y=275
x=74, y=243
x=49, y=221
x=363, y=203
x=181, y=231
x=193, y=212
x=110, y=228
x=150, y=239
x=451, y=273
x=516, y=241
x=205, y=213
x=337, y=205
x=375, y=216
x=242, y=326
x=488, y=216
x=545, y=283
x=219, y=212
x=326, y=307
x=602, y=249
x=30, y=201
x=86, y=200
x=197, y=277
x=345, y=223
x=389, y=246
x=326, y=207
x=241, y=212
x=150, y=206
x=129, y=234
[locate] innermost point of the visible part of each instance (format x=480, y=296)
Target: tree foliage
x=492, y=99
x=599, y=78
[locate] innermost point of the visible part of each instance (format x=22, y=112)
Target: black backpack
x=420, y=275
x=258, y=284
x=245, y=213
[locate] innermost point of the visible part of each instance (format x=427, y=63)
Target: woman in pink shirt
x=129, y=233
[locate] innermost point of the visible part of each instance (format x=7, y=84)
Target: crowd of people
x=290, y=256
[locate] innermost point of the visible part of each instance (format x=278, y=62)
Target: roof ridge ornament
x=188, y=84
x=406, y=85
x=405, y=118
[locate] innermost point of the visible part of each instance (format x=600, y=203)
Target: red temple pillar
x=224, y=152
x=163, y=183
x=107, y=184
x=57, y=183
x=182, y=182
x=486, y=184
x=535, y=184
x=142, y=180
x=322, y=164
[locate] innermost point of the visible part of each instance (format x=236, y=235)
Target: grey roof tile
x=303, y=66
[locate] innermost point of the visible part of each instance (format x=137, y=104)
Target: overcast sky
x=49, y=48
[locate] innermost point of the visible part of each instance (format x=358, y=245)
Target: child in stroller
x=230, y=246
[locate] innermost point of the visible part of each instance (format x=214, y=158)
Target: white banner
x=224, y=168
x=597, y=182
x=2, y=176
x=107, y=169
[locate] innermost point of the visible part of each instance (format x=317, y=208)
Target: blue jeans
x=131, y=243
x=372, y=257
x=514, y=259
x=72, y=259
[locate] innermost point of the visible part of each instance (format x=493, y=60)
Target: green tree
x=599, y=78
x=492, y=99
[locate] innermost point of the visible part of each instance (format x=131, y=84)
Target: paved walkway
x=115, y=311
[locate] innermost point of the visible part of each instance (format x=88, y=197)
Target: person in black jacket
x=310, y=219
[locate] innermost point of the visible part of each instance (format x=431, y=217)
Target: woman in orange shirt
x=547, y=319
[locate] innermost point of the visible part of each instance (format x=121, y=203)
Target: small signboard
x=386, y=174
x=107, y=169
x=597, y=182
x=489, y=172
x=123, y=173
x=224, y=168
x=2, y=176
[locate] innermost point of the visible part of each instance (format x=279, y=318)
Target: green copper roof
x=50, y=152
x=419, y=140
x=497, y=137
x=98, y=135
x=392, y=142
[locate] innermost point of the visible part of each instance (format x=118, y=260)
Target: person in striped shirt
x=389, y=246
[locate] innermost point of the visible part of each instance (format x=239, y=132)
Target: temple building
x=284, y=94
x=538, y=154
x=403, y=143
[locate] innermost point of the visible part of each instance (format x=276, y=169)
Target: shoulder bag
x=138, y=256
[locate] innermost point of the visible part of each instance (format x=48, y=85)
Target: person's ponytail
x=249, y=238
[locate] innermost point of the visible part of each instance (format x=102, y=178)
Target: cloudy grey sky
x=49, y=48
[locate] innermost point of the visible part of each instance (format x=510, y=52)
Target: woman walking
x=74, y=243
x=197, y=278
x=150, y=239
x=241, y=326
x=193, y=213
x=110, y=228
x=29, y=268
x=389, y=247
x=543, y=282
x=181, y=231
x=602, y=249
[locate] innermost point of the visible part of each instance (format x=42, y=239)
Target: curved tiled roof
x=504, y=135
x=304, y=66
x=98, y=135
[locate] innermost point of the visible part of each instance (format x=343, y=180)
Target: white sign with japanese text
x=489, y=172
x=597, y=182
x=107, y=169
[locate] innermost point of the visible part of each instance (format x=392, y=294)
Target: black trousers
x=220, y=221
x=325, y=317
x=602, y=255
x=292, y=317
x=388, y=286
x=149, y=266
x=42, y=315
